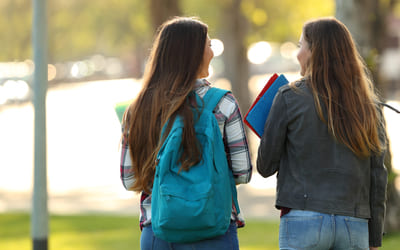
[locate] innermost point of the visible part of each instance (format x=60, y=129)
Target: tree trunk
x=366, y=22
x=235, y=59
x=162, y=10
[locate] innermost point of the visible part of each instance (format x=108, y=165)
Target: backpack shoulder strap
x=213, y=96
x=211, y=99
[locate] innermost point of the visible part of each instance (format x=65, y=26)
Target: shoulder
x=228, y=105
x=295, y=95
x=284, y=88
x=293, y=86
x=295, y=89
x=203, y=86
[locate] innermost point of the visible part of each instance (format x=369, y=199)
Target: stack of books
x=258, y=113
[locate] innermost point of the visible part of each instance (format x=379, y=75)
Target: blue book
x=258, y=113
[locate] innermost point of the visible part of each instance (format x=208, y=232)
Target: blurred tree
x=209, y=11
x=227, y=23
x=120, y=28
x=162, y=10
x=111, y=28
x=15, y=26
x=240, y=23
x=366, y=21
x=234, y=32
x=282, y=20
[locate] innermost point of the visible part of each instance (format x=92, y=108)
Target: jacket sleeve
x=273, y=140
x=377, y=200
x=377, y=195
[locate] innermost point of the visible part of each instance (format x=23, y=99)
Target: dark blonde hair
x=168, y=82
x=338, y=78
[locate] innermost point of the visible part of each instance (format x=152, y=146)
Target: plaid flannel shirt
x=230, y=123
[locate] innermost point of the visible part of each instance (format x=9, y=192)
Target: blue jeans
x=228, y=241
x=312, y=230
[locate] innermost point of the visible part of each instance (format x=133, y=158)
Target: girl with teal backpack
x=184, y=147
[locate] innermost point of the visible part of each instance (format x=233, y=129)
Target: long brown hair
x=169, y=80
x=339, y=78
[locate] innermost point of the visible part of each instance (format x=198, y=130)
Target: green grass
x=109, y=232
x=78, y=232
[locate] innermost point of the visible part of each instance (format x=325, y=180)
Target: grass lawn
x=109, y=232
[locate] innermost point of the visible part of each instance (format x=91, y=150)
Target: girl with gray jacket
x=325, y=138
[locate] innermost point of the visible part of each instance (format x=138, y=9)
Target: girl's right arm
x=126, y=173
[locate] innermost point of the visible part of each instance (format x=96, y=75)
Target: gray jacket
x=314, y=171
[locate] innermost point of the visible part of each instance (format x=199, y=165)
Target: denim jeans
x=312, y=230
x=228, y=241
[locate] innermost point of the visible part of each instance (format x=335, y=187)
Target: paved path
x=83, y=134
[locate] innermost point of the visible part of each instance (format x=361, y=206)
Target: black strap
x=388, y=106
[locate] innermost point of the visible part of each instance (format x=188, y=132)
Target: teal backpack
x=193, y=205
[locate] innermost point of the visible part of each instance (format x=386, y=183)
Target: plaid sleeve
x=126, y=172
x=236, y=147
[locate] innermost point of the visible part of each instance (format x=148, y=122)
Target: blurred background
x=97, y=52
